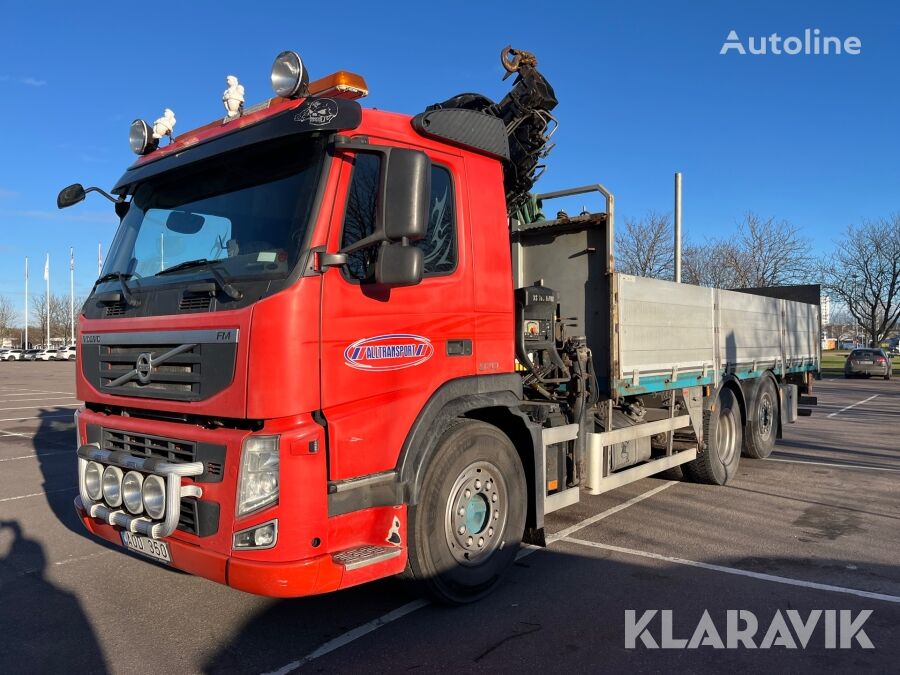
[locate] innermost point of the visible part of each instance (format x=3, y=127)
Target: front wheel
x=719, y=461
x=467, y=526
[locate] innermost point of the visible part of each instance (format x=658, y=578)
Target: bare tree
x=864, y=273
x=771, y=253
x=8, y=317
x=60, y=324
x=763, y=252
x=645, y=247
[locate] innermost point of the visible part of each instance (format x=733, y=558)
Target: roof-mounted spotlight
x=140, y=137
x=289, y=76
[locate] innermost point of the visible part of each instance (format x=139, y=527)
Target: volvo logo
x=143, y=366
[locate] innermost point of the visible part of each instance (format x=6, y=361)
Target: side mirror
x=184, y=222
x=70, y=196
x=399, y=265
x=406, y=194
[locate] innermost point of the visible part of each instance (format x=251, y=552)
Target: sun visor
x=312, y=116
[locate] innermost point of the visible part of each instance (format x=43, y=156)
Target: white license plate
x=152, y=548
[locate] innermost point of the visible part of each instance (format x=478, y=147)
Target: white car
x=65, y=353
x=11, y=355
x=44, y=354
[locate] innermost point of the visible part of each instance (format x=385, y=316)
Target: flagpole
x=26, y=302
x=47, y=302
x=99, y=259
x=72, y=294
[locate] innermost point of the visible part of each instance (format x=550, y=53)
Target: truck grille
x=175, y=365
x=168, y=449
x=194, y=303
x=115, y=309
x=149, y=446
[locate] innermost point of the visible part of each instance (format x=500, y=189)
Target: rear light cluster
x=138, y=492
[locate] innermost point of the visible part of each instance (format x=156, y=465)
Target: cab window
x=439, y=244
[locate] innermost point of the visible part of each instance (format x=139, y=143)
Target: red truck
x=331, y=345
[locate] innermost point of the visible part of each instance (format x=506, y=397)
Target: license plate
x=152, y=548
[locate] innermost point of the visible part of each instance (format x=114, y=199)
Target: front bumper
x=275, y=579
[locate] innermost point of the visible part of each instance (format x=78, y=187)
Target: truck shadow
x=44, y=628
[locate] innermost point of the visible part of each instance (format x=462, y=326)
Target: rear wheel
x=762, y=421
x=470, y=518
x=719, y=461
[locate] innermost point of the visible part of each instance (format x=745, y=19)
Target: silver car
x=868, y=362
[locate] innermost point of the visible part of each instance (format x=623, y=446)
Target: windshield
x=249, y=210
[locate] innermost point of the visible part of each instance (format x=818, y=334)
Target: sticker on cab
x=388, y=352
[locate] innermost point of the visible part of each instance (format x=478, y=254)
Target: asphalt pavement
x=814, y=528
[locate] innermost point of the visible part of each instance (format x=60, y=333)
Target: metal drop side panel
x=677, y=335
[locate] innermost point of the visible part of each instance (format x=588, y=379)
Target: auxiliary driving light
x=289, y=75
x=112, y=486
x=131, y=492
x=93, y=478
x=140, y=137
x=154, y=493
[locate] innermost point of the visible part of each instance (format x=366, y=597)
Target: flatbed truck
x=332, y=344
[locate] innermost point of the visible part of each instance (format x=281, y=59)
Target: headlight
x=93, y=477
x=131, y=491
x=140, y=138
x=112, y=486
x=259, y=474
x=289, y=76
x=154, y=495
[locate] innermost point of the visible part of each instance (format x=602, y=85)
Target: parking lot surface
x=815, y=527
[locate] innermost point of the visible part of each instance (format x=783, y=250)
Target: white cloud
x=33, y=82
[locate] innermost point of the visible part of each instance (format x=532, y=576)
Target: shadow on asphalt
x=43, y=627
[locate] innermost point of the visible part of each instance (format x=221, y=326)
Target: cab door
x=386, y=350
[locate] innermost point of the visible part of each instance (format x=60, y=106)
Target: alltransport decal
x=388, y=352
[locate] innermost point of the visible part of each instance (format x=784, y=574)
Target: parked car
x=30, y=354
x=868, y=362
x=11, y=355
x=66, y=353
x=44, y=354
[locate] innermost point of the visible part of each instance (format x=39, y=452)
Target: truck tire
x=718, y=463
x=761, y=427
x=465, y=531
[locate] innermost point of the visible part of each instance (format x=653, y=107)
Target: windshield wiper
x=229, y=290
x=121, y=277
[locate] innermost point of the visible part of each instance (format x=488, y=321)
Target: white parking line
x=37, y=494
x=410, y=607
x=40, y=398
x=838, y=466
x=55, y=405
x=36, y=417
x=41, y=456
x=32, y=391
x=865, y=400
x=739, y=572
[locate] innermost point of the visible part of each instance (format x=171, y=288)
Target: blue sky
x=643, y=93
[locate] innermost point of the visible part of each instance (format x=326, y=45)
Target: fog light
x=154, y=494
x=93, y=475
x=112, y=486
x=259, y=536
x=131, y=491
